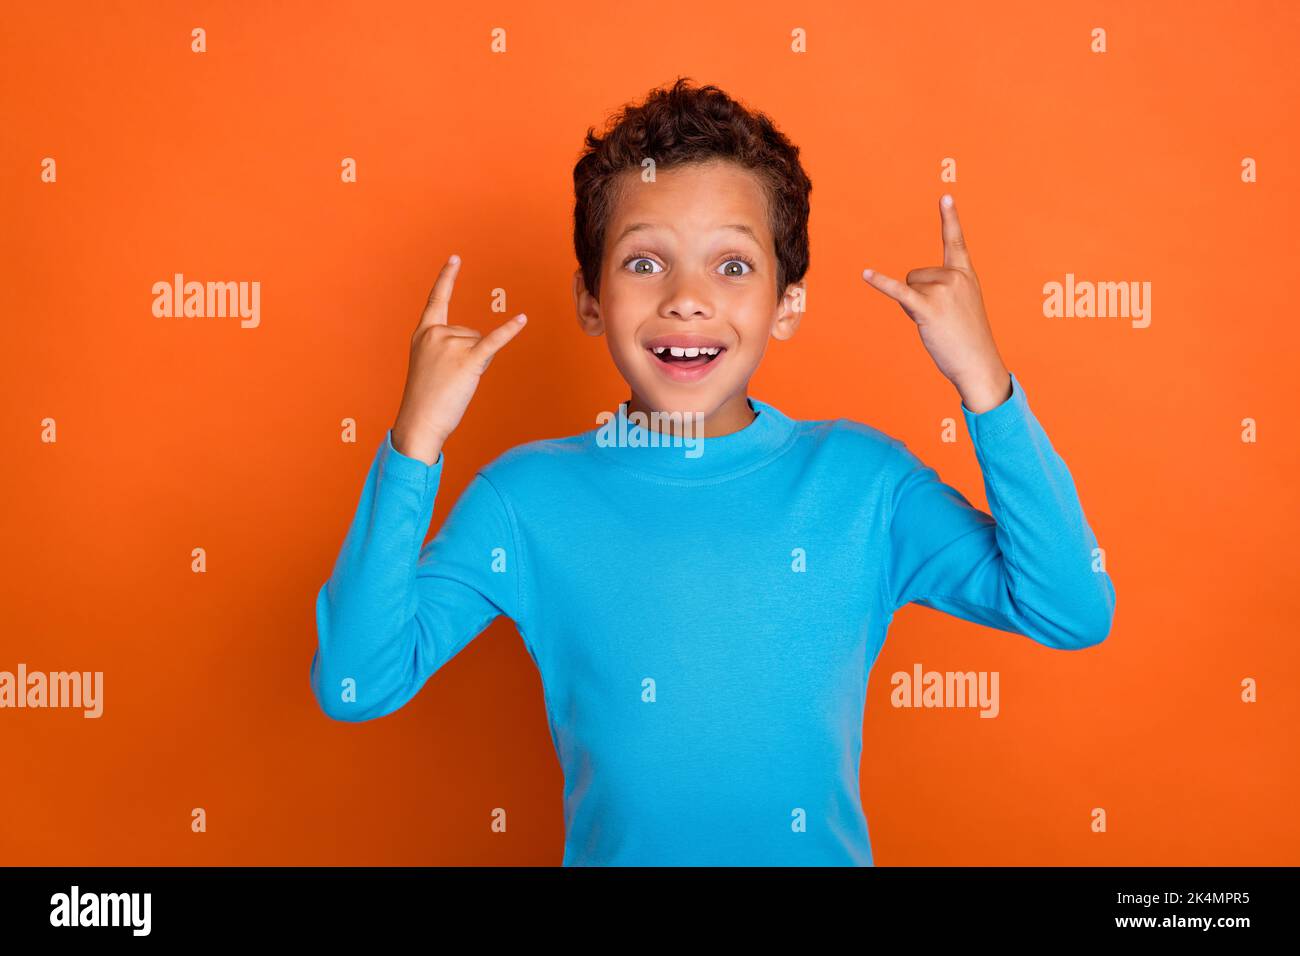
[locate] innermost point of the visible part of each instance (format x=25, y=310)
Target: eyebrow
x=641, y=226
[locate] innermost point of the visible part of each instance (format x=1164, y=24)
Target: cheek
x=753, y=319
x=621, y=305
x=619, y=339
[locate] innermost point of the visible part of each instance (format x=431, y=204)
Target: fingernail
x=947, y=200
x=455, y=259
x=521, y=318
x=868, y=273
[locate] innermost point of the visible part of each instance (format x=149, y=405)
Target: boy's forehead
x=691, y=199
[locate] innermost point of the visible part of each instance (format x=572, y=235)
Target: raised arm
x=392, y=612
x=1029, y=567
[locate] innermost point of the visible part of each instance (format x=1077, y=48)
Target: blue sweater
x=705, y=624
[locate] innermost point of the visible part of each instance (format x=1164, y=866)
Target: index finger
x=435, y=310
x=955, y=253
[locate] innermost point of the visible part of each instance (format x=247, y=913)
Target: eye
x=742, y=260
x=637, y=260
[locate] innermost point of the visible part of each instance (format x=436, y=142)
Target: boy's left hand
x=946, y=305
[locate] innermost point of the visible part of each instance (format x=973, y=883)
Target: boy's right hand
x=446, y=362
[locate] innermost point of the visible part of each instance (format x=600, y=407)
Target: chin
x=673, y=397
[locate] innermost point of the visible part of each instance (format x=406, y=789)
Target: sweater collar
x=661, y=452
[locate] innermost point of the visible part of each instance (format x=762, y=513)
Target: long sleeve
x=1028, y=567
x=393, y=612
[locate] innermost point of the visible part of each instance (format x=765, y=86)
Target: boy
x=704, y=623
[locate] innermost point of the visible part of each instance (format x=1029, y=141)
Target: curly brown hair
x=682, y=125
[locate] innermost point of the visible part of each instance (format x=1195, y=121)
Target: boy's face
x=677, y=271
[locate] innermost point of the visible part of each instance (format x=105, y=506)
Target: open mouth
x=686, y=356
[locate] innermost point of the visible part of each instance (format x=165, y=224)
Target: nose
x=687, y=299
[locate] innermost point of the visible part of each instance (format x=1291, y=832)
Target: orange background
x=183, y=433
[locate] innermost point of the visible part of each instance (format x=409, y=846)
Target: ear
x=790, y=310
x=587, y=306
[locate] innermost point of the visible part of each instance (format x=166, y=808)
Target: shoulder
x=533, y=463
x=854, y=440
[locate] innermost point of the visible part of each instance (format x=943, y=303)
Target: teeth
x=678, y=352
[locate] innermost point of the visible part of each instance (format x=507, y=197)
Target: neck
x=731, y=416
x=641, y=438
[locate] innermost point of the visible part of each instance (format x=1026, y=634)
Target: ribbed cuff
x=412, y=471
x=1001, y=418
